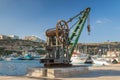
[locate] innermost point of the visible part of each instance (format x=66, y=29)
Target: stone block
x=57, y=72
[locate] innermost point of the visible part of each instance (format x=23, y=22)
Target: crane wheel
x=62, y=31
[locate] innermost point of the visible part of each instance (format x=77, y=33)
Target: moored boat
x=26, y=57
x=100, y=62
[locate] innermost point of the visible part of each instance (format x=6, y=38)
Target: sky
x=34, y=17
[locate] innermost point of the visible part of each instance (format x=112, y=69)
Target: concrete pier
x=57, y=72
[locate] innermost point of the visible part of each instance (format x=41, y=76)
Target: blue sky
x=34, y=17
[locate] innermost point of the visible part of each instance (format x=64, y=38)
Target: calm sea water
x=19, y=67
x=21, y=61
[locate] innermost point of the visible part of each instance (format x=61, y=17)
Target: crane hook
x=88, y=26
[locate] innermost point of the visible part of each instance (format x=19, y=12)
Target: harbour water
x=17, y=67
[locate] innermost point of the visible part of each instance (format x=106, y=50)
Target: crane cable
x=74, y=24
x=88, y=24
x=76, y=16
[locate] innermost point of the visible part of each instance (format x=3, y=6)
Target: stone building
x=14, y=36
x=33, y=38
x=2, y=37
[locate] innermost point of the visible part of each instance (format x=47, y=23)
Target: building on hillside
x=14, y=36
x=2, y=37
x=42, y=41
x=33, y=38
x=113, y=53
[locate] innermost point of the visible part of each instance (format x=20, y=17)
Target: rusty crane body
x=60, y=44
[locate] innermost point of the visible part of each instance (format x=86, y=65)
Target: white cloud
x=103, y=21
x=99, y=22
x=107, y=20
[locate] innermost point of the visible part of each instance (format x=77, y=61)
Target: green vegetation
x=1, y=50
x=10, y=46
x=42, y=52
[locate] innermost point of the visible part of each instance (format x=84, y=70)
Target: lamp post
x=108, y=46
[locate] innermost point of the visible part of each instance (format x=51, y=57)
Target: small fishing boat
x=26, y=57
x=89, y=60
x=1, y=58
x=78, y=58
x=100, y=62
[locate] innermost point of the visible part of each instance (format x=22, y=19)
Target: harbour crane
x=60, y=44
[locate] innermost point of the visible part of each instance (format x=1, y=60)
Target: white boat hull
x=76, y=60
x=100, y=62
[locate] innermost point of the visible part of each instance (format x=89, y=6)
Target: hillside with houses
x=12, y=44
